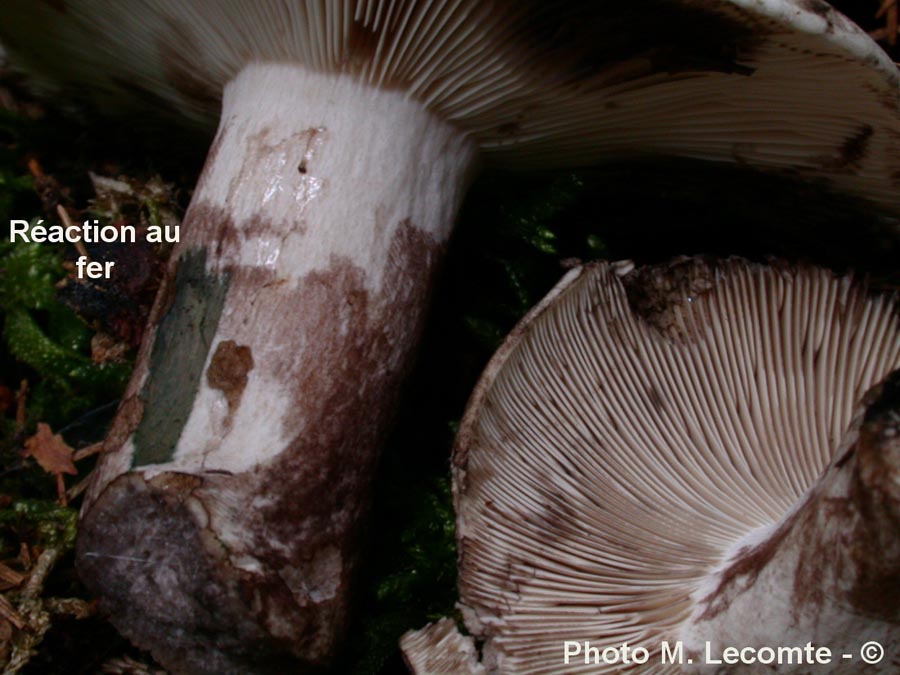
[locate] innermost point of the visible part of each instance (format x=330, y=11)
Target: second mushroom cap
x=655, y=455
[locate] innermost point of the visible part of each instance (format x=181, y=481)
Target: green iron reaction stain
x=182, y=343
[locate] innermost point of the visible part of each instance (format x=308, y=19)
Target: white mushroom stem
x=828, y=574
x=325, y=204
x=274, y=358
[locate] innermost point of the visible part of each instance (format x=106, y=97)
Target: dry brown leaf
x=9, y=578
x=9, y=613
x=50, y=451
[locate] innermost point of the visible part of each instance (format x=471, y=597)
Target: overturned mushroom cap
x=641, y=452
x=789, y=85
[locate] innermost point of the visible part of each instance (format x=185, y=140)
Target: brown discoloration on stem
x=228, y=370
x=877, y=492
x=260, y=564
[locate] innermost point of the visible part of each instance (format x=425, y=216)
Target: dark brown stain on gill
x=362, y=43
x=852, y=151
x=655, y=399
x=556, y=519
x=228, y=371
x=581, y=41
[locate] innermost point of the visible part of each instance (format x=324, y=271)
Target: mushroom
x=221, y=530
x=670, y=455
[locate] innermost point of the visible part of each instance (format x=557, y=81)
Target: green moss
x=48, y=338
x=416, y=580
x=55, y=526
x=28, y=274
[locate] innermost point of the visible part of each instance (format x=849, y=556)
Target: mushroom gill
x=671, y=453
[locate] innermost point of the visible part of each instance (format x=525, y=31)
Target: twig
x=891, y=12
x=87, y=451
x=67, y=222
x=21, y=400
x=126, y=665
x=38, y=574
x=79, y=487
x=8, y=612
x=76, y=607
x=61, y=490
x=34, y=167
x=9, y=578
